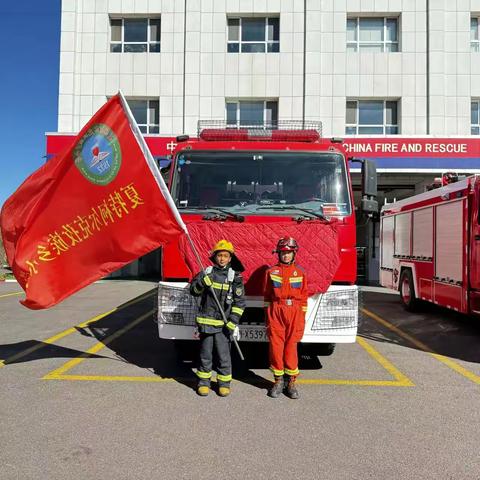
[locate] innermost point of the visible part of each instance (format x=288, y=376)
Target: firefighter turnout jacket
x=228, y=286
x=286, y=298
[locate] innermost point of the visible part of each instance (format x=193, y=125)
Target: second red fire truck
x=430, y=247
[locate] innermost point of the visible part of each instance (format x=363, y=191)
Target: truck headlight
x=338, y=309
x=176, y=305
x=175, y=318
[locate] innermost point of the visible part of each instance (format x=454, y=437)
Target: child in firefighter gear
x=285, y=306
x=225, y=278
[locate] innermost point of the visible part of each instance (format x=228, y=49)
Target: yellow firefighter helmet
x=223, y=245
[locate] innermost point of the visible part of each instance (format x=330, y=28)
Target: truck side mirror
x=369, y=178
x=368, y=203
x=163, y=163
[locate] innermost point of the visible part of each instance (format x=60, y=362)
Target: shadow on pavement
x=140, y=345
x=443, y=331
x=137, y=342
x=31, y=350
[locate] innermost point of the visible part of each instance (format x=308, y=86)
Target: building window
x=474, y=36
x=253, y=35
x=372, y=34
x=135, y=35
x=475, y=109
x=372, y=117
x=252, y=113
x=146, y=113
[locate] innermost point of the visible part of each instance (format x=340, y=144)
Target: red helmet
x=287, y=244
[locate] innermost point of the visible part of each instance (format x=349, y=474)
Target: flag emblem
x=97, y=155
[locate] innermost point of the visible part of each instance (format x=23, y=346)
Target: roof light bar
x=282, y=131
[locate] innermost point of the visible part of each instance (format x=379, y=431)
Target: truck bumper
x=332, y=317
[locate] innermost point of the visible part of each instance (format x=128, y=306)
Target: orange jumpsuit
x=286, y=305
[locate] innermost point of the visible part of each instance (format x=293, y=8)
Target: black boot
x=277, y=388
x=291, y=390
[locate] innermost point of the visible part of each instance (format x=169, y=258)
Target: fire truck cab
x=287, y=173
x=430, y=247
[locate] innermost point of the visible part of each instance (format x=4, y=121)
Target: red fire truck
x=430, y=247
x=253, y=186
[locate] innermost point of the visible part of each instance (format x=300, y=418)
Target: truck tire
x=317, y=349
x=406, y=288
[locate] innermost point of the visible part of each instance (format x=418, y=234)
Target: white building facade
x=389, y=69
x=325, y=60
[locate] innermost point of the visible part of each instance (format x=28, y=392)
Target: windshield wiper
x=286, y=207
x=235, y=216
x=225, y=213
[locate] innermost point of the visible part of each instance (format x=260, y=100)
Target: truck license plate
x=253, y=334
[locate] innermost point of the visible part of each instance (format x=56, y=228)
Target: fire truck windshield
x=251, y=182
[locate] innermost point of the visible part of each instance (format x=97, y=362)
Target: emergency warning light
x=280, y=131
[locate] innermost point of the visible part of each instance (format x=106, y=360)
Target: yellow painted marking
x=395, y=329
x=458, y=368
x=120, y=378
x=363, y=383
x=67, y=332
x=441, y=358
x=400, y=379
x=386, y=364
x=51, y=340
x=107, y=378
x=10, y=294
x=96, y=348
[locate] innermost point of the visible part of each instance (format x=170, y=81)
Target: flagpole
x=151, y=162
x=166, y=193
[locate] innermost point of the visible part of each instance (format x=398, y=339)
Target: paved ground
x=107, y=399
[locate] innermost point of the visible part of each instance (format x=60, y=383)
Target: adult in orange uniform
x=286, y=305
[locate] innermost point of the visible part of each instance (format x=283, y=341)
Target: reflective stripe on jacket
x=230, y=294
x=285, y=283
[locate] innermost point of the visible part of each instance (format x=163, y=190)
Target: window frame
x=475, y=44
x=384, y=126
x=473, y=126
x=149, y=125
x=266, y=42
x=148, y=42
x=265, y=123
x=359, y=43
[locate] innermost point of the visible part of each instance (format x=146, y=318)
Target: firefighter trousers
x=220, y=344
x=285, y=326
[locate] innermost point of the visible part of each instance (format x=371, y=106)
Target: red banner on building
x=88, y=211
x=413, y=147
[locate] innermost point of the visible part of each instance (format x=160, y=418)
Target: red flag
x=88, y=211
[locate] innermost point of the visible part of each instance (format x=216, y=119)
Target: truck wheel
x=407, y=291
x=317, y=349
